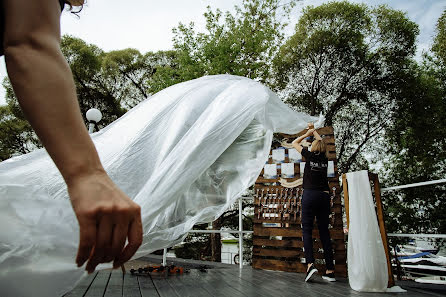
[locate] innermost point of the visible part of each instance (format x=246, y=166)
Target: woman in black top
x=315, y=202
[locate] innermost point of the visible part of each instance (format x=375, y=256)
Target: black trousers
x=316, y=204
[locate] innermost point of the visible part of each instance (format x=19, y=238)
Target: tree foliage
x=112, y=81
x=417, y=146
x=345, y=60
x=16, y=135
x=439, y=46
x=242, y=44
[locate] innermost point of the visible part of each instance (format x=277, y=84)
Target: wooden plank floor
x=222, y=282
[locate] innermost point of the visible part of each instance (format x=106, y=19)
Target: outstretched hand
x=107, y=217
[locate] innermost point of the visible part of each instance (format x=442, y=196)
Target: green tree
x=418, y=153
x=16, y=135
x=118, y=80
x=417, y=146
x=241, y=44
x=94, y=86
x=164, y=70
x=132, y=77
x=113, y=82
x=439, y=45
x=346, y=60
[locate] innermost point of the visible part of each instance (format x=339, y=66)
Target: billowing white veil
x=185, y=155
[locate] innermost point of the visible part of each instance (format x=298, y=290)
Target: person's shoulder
x=305, y=152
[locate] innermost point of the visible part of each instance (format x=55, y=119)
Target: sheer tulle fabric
x=184, y=154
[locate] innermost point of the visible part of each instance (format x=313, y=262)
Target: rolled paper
x=293, y=184
x=270, y=171
x=294, y=156
x=330, y=169
x=287, y=170
x=278, y=155
x=286, y=144
x=302, y=168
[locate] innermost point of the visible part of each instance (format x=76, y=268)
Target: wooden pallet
x=277, y=238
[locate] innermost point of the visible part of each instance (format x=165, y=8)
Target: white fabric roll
x=367, y=264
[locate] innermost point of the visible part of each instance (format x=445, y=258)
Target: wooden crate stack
x=277, y=238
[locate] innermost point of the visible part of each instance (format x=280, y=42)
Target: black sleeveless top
x=2, y=23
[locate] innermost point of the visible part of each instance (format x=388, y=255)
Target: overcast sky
x=147, y=24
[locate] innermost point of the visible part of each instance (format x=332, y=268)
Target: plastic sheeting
x=366, y=258
x=185, y=155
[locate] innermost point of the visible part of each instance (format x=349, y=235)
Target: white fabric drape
x=367, y=263
x=185, y=155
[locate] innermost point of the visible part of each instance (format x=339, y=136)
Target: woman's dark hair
x=75, y=3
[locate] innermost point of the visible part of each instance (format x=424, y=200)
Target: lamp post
x=93, y=117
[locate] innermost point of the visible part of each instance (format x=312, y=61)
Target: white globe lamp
x=93, y=116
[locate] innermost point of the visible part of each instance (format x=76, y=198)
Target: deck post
x=164, y=257
x=382, y=227
x=345, y=187
x=240, y=229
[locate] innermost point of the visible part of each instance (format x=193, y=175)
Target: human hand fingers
x=135, y=241
x=87, y=233
x=118, y=241
x=106, y=217
x=103, y=243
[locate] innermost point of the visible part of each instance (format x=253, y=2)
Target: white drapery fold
x=185, y=155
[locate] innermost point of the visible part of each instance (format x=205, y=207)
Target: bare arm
x=44, y=86
x=316, y=135
x=297, y=141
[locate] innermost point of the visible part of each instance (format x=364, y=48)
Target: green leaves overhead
x=16, y=135
x=417, y=145
x=345, y=60
x=118, y=80
x=439, y=46
x=241, y=44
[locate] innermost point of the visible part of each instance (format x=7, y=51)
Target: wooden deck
x=226, y=282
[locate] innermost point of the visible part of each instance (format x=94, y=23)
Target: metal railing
x=420, y=184
x=432, y=182
x=417, y=235
x=242, y=232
